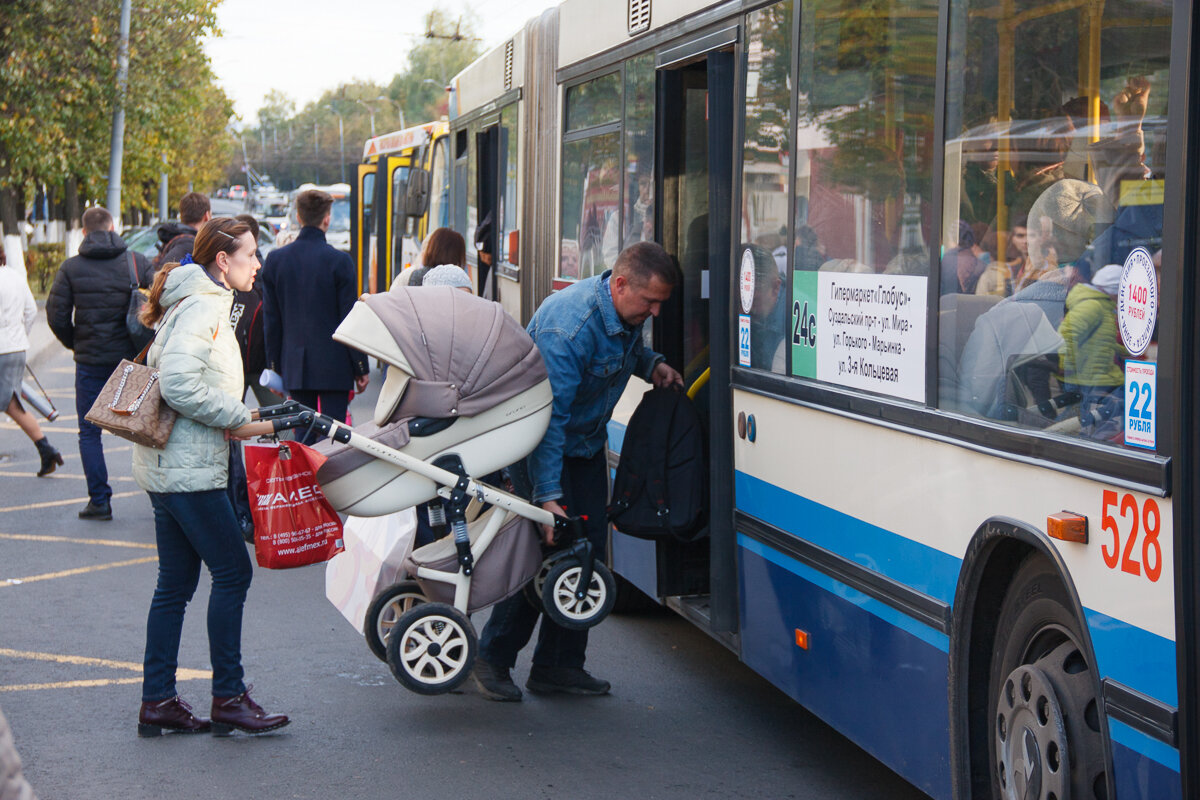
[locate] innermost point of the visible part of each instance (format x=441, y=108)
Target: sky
x=306, y=47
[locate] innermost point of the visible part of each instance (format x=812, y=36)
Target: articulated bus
x=938, y=307
x=401, y=192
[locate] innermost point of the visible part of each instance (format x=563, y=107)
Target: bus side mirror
x=416, y=199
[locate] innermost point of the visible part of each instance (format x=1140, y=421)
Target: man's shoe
x=495, y=683
x=165, y=716
x=93, y=511
x=568, y=680
x=243, y=714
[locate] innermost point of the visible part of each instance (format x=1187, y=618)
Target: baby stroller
x=466, y=394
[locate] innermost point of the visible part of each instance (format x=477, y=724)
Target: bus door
x=693, y=217
x=362, y=226
x=486, y=239
x=390, y=191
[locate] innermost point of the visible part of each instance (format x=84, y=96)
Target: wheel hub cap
x=1031, y=740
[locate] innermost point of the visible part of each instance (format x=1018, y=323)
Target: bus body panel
x=588, y=27
x=905, y=532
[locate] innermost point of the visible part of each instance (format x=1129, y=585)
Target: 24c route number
x=1150, y=519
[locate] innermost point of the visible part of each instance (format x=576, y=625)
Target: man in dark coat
x=176, y=239
x=86, y=310
x=308, y=289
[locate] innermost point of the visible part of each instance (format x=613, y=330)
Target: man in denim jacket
x=590, y=336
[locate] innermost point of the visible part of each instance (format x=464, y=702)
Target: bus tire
x=1045, y=734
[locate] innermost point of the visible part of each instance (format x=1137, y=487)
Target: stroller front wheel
x=431, y=649
x=561, y=600
x=385, y=610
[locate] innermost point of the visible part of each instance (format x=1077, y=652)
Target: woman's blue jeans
x=190, y=528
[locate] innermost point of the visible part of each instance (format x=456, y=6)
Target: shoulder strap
x=133, y=277
x=141, y=357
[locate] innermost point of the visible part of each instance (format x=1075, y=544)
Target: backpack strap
x=133, y=278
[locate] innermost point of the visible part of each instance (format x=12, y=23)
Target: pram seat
x=450, y=355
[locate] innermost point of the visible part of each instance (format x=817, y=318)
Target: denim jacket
x=590, y=354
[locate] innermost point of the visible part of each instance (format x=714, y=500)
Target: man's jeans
x=190, y=528
x=89, y=380
x=585, y=493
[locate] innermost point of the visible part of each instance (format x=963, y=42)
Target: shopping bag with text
x=294, y=524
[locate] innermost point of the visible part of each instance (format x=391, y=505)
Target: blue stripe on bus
x=1143, y=757
x=1135, y=657
x=915, y=565
x=880, y=609
x=870, y=679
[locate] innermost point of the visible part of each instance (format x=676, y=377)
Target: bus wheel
x=1045, y=739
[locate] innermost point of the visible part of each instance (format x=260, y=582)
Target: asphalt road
x=685, y=718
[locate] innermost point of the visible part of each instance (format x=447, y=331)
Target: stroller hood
x=449, y=353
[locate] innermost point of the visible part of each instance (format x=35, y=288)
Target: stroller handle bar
x=293, y=415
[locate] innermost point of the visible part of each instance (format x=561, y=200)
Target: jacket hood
x=1083, y=292
x=186, y=281
x=102, y=244
x=169, y=230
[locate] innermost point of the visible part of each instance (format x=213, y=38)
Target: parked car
x=237, y=192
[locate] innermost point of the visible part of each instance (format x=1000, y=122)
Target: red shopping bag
x=294, y=524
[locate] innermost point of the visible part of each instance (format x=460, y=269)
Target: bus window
x=590, y=204
x=762, y=300
x=1050, y=186
x=591, y=178
x=508, y=179
x=400, y=222
x=439, y=191
x=638, y=225
x=860, y=240
x=460, y=181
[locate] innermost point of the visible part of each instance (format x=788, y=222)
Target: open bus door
x=694, y=167
x=391, y=221
x=362, y=224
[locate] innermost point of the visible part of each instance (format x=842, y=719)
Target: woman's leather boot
x=172, y=714
x=51, y=458
x=243, y=714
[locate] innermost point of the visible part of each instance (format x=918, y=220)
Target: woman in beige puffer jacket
x=200, y=375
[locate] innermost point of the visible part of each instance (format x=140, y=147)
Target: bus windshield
x=340, y=215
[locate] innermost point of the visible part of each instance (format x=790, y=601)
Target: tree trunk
x=71, y=202
x=8, y=211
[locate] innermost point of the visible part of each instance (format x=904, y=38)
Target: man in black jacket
x=86, y=310
x=177, y=238
x=308, y=289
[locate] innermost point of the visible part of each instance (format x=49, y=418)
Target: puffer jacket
x=90, y=295
x=1090, y=342
x=200, y=372
x=13, y=785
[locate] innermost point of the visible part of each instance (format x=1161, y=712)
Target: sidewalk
x=42, y=343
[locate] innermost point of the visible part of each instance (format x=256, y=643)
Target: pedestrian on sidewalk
x=86, y=310
x=590, y=336
x=17, y=313
x=200, y=372
x=308, y=289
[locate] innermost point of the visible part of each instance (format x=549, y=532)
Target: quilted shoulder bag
x=131, y=406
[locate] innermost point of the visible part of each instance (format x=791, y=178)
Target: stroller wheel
x=559, y=595
x=383, y=612
x=431, y=649
x=533, y=589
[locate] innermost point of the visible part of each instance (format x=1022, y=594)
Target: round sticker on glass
x=746, y=280
x=1137, y=301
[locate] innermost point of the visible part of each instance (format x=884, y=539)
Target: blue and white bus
x=939, y=311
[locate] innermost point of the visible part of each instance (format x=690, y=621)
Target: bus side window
x=439, y=191
x=1046, y=202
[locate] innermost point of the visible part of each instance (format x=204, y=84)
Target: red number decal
x=1150, y=543
x=1129, y=503
x=1109, y=523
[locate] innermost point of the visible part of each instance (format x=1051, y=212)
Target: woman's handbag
x=131, y=406
x=139, y=333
